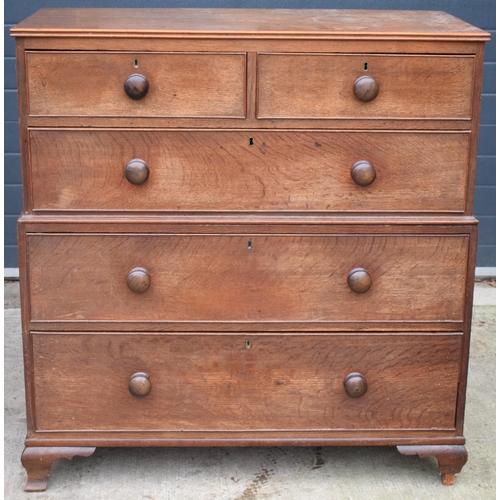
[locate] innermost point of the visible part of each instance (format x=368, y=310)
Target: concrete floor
x=262, y=473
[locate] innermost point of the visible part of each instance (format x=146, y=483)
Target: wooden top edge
x=251, y=219
x=244, y=23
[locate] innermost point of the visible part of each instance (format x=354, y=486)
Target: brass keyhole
x=136, y=63
x=248, y=343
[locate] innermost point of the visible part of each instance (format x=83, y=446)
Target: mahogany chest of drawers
x=246, y=227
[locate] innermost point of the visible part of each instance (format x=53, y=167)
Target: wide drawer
x=321, y=86
x=253, y=382
x=246, y=278
x=247, y=170
x=92, y=84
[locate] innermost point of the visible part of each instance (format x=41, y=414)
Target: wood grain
x=476, y=112
x=220, y=171
x=321, y=86
x=244, y=22
x=339, y=123
x=180, y=84
x=450, y=459
x=237, y=223
x=186, y=438
x=216, y=383
x=245, y=325
x=252, y=44
x=38, y=462
x=281, y=278
x=469, y=297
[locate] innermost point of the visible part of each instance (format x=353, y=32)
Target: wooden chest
x=246, y=227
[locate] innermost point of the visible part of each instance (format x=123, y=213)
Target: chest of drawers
x=246, y=228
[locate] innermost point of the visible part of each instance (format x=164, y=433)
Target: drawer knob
x=137, y=171
x=366, y=88
x=136, y=86
x=355, y=385
x=139, y=385
x=363, y=173
x=359, y=280
x=138, y=280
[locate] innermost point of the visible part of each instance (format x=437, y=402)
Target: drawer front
x=246, y=278
x=321, y=86
x=254, y=170
x=92, y=84
x=235, y=382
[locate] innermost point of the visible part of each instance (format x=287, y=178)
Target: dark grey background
x=481, y=13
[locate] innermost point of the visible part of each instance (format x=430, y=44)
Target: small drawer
x=136, y=84
x=247, y=278
x=229, y=382
x=174, y=171
x=387, y=86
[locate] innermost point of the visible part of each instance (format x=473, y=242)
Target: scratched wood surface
x=180, y=85
x=357, y=23
x=247, y=277
x=248, y=170
x=321, y=86
x=216, y=382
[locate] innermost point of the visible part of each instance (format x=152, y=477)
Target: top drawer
x=321, y=86
x=179, y=84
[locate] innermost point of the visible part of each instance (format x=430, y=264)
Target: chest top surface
x=269, y=23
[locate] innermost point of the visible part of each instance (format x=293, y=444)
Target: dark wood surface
x=220, y=171
x=239, y=283
x=450, y=459
x=218, y=278
x=215, y=382
x=336, y=437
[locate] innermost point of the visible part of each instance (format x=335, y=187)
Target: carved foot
x=38, y=460
x=451, y=458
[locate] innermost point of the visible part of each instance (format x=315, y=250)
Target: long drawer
x=256, y=277
x=322, y=86
x=254, y=382
x=179, y=84
x=248, y=170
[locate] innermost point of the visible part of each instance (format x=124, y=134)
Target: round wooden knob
x=138, y=280
x=359, y=280
x=136, y=86
x=137, y=171
x=366, y=88
x=355, y=385
x=363, y=173
x=139, y=385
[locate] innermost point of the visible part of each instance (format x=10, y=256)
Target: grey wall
x=481, y=13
